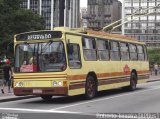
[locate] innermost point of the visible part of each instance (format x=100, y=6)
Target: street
x=144, y=100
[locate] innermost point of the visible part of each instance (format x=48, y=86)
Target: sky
x=83, y=3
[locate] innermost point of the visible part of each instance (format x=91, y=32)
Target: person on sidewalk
x=7, y=72
x=156, y=68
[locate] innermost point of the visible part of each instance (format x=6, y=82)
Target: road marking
x=108, y=98
x=38, y=110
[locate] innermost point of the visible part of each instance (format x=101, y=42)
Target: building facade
x=56, y=12
x=103, y=12
x=84, y=17
x=145, y=28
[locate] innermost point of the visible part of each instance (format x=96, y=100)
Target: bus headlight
x=19, y=84
x=57, y=83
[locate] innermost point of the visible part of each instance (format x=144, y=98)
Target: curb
x=153, y=80
x=14, y=98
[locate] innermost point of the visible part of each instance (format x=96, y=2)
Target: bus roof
x=98, y=34
x=85, y=32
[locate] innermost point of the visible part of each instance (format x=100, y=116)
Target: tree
x=14, y=20
x=154, y=55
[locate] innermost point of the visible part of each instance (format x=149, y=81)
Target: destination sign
x=41, y=35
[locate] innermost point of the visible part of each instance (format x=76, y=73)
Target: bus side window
x=124, y=51
x=140, y=50
x=74, y=58
x=89, y=49
x=114, y=51
x=102, y=49
x=133, y=52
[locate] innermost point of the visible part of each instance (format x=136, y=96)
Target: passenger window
x=74, y=57
x=133, y=52
x=89, y=49
x=140, y=53
x=103, y=49
x=124, y=51
x=114, y=51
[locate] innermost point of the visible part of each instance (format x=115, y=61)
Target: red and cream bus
x=71, y=62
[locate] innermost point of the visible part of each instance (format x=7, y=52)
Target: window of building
x=136, y=4
x=89, y=48
x=152, y=3
x=133, y=52
x=143, y=18
x=151, y=24
x=144, y=4
x=124, y=51
x=128, y=4
x=151, y=18
x=143, y=25
x=129, y=18
x=103, y=49
x=151, y=10
x=114, y=51
x=128, y=11
x=158, y=17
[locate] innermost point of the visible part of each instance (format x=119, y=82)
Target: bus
x=69, y=62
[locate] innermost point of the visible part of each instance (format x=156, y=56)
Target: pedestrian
x=156, y=68
x=7, y=72
x=151, y=68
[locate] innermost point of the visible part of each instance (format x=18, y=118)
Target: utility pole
x=40, y=7
x=28, y=4
x=65, y=14
x=52, y=3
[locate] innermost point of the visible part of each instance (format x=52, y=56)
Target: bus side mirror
x=70, y=48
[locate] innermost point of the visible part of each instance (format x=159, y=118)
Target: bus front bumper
x=41, y=91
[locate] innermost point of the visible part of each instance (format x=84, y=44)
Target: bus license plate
x=39, y=91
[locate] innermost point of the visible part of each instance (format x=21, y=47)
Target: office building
x=56, y=12
x=84, y=17
x=103, y=12
x=145, y=28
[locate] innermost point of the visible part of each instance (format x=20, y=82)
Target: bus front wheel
x=133, y=82
x=46, y=97
x=90, y=88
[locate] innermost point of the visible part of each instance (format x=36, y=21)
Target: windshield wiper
x=45, y=47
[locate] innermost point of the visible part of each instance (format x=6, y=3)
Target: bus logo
x=126, y=69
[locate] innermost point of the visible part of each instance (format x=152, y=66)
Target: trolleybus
x=71, y=62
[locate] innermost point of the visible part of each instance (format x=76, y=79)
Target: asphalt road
x=145, y=100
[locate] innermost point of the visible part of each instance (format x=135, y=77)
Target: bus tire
x=46, y=97
x=90, y=87
x=133, y=82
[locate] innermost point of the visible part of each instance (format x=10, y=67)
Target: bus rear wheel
x=90, y=88
x=46, y=97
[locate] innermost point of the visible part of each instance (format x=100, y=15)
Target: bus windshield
x=40, y=57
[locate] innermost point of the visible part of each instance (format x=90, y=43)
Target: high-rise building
x=103, y=12
x=84, y=17
x=56, y=12
x=145, y=28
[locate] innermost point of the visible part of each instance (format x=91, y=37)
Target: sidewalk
x=11, y=97
x=154, y=78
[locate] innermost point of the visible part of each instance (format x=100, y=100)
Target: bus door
x=73, y=51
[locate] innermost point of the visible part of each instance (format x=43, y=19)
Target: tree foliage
x=154, y=55
x=13, y=20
